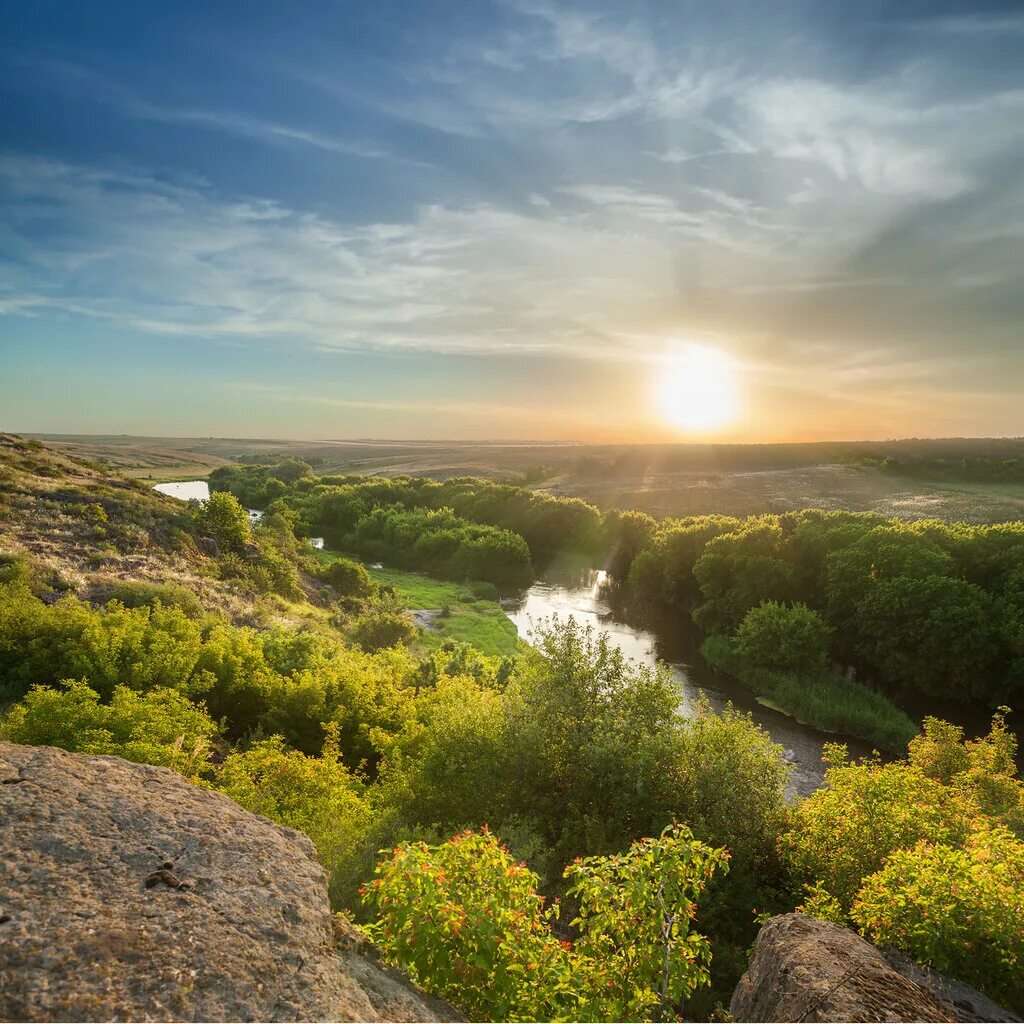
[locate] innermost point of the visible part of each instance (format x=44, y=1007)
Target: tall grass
x=823, y=700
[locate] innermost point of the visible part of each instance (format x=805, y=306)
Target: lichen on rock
x=128, y=893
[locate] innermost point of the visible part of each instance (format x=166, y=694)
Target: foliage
x=278, y=680
x=865, y=812
x=375, y=630
x=349, y=578
x=739, y=570
x=223, y=519
x=957, y=909
x=936, y=635
x=161, y=727
x=316, y=795
x=921, y=854
x=465, y=920
x=626, y=534
x=780, y=636
x=634, y=919
x=441, y=542
x=821, y=699
x=928, y=606
x=136, y=593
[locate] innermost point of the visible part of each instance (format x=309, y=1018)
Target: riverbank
x=467, y=612
x=824, y=700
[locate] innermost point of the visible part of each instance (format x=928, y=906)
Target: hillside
x=456, y=801
x=971, y=479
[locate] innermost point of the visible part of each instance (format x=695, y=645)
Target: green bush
x=316, y=795
x=779, y=636
x=349, y=578
x=222, y=518
x=376, y=630
x=956, y=909
x=866, y=812
x=161, y=727
x=138, y=594
x=464, y=920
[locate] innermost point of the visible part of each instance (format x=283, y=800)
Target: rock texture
x=128, y=894
x=803, y=969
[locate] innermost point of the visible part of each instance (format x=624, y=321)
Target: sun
x=696, y=389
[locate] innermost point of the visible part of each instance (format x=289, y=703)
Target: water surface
x=186, y=490
x=584, y=598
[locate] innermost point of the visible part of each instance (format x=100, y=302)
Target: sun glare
x=696, y=389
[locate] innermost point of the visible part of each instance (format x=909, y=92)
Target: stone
x=127, y=893
x=208, y=546
x=803, y=969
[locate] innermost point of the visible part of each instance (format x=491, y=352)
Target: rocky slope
x=129, y=893
x=803, y=969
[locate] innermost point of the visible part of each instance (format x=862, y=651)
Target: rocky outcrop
x=803, y=969
x=128, y=894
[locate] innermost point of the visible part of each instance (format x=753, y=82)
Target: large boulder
x=803, y=969
x=127, y=893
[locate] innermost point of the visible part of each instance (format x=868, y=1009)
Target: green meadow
x=463, y=616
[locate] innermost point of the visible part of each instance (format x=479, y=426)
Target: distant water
x=186, y=490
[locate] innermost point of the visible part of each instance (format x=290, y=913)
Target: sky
x=512, y=219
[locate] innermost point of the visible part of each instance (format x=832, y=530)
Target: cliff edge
x=128, y=893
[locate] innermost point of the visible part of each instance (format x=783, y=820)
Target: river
x=583, y=596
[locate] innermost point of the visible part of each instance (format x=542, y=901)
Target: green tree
x=223, y=518
x=785, y=637
x=936, y=634
x=739, y=570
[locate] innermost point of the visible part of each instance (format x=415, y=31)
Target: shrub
x=138, y=594
x=780, y=636
x=316, y=795
x=865, y=813
x=349, y=578
x=222, y=518
x=958, y=910
x=160, y=727
x=636, y=911
x=466, y=922
x=376, y=630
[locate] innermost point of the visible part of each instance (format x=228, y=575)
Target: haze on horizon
x=642, y=221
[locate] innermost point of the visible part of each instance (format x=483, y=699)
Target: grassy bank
x=479, y=621
x=824, y=701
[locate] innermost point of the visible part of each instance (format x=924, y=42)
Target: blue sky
x=506, y=219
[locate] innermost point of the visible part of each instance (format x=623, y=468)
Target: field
x=924, y=479
x=456, y=611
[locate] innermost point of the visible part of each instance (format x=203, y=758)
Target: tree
x=740, y=570
x=626, y=534
x=223, y=518
x=785, y=637
x=936, y=634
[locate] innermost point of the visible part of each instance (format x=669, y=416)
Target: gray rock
x=803, y=969
x=127, y=893
x=208, y=546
